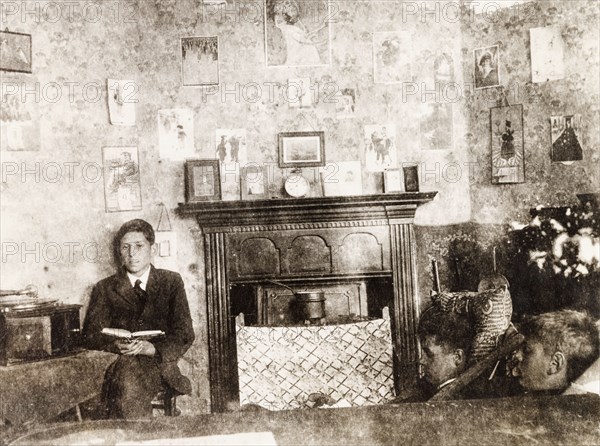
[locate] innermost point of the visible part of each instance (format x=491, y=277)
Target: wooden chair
x=167, y=402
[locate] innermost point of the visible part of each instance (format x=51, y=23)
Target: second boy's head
x=559, y=346
x=445, y=340
x=134, y=243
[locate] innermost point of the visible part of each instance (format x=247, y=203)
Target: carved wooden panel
x=360, y=252
x=308, y=253
x=258, y=256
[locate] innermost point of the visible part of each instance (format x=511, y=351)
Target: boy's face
x=532, y=366
x=136, y=252
x=438, y=361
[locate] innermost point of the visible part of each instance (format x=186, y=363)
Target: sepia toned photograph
x=486, y=67
x=299, y=223
x=200, y=61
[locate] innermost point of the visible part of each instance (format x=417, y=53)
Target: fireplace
x=364, y=243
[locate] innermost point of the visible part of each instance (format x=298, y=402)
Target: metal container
x=310, y=305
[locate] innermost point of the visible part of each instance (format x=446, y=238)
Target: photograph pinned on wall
x=486, y=66
x=508, y=153
x=298, y=93
x=19, y=120
x=122, y=97
x=230, y=146
x=297, y=33
x=254, y=182
x=435, y=70
x=122, y=189
x=565, y=131
x=547, y=54
x=15, y=52
x=436, y=126
x=176, y=134
x=380, y=147
x=199, y=61
x=392, y=57
x=345, y=103
x=443, y=68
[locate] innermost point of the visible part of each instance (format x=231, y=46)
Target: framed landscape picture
x=301, y=149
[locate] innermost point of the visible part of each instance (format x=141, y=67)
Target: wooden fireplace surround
x=298, y=241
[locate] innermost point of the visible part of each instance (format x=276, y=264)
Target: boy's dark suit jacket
x=114, y=304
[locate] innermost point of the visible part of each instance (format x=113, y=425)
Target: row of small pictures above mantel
x=205, y=180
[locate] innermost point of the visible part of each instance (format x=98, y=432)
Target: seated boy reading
x=559, y=346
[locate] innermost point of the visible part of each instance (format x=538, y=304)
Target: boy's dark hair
x=570, y=332
x=448, y=328
x=136, y=225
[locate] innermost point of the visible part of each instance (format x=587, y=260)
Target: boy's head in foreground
x=445, y=340
x=559, y=346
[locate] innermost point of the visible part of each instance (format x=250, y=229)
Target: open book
x=125, y=334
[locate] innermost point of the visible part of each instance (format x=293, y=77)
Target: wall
x=139, y=40
x=549, y=184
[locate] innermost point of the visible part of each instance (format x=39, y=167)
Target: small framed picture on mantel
x=202, y=181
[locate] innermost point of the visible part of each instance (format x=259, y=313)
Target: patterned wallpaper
x=75, y=51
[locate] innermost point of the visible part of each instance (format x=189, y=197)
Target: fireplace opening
x=267, y=304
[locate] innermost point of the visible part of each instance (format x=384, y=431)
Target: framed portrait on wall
x=297, y=33
x=202, y=181
x=15, y=52
x=508, y=153
x=199, y=61
x=301, y=149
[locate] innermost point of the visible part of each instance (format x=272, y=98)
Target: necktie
x=139, y=292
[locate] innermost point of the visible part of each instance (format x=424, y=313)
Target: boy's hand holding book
x=136, y=343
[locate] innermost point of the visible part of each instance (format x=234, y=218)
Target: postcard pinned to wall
x=200, y=61
x=298, y=93
x=345, y=103
x=508, y=155
x=122, y=97
x=122, y=190
x=176, y=134
x=436, y=126
x=392, y=57
x=230, y=146
x=19, y=120
x=487, y=61
x=231, y=151
x=380, y=147
x=565, y=138
x=547, y=54
x=297, y=33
